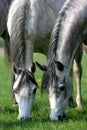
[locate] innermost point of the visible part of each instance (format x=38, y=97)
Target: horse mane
x=56, y=31
x=18, y=44
x=28, y=76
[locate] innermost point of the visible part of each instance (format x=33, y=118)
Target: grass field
x=76, y=119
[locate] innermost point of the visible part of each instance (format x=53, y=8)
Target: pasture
x=76, y=119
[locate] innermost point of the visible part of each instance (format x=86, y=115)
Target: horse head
x=57, y=82
x=24, y=89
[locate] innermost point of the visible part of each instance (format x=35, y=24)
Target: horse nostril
x=21, y=119
x=59, y=117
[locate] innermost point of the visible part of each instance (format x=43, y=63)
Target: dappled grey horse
x=4, y=7
x=29, y=24
x=68, y=34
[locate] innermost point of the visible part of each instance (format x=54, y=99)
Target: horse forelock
x=25, y=77
x=30, y=77
x=49, y=77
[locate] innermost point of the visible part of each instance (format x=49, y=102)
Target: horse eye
x=60, y=66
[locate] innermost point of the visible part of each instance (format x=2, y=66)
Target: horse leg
x=7, y=52
x=77, y=68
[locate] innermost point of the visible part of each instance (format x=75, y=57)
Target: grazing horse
x=69, y=32
x=4, y=7
x=29, y=29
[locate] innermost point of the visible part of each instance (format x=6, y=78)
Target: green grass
x=76, y=119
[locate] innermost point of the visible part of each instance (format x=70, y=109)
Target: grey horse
x=69, y=32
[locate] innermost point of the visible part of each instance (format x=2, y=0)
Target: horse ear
x=33, y=67
x=41, y=67
x=14, y=68
x=60, y=66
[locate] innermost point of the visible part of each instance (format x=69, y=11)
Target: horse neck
x=66, y=35
x=21, y=46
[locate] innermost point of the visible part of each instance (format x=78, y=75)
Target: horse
x=68, y=34
x=4, y=7
x=29, y=29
